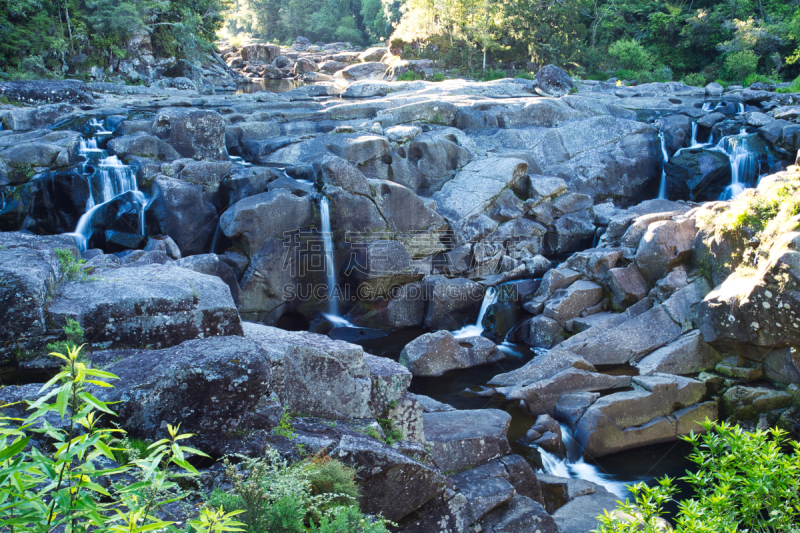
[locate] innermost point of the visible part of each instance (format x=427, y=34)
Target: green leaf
x=14, y=449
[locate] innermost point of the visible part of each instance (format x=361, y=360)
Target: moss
x=21, y=172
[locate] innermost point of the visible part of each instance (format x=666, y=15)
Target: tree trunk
x=69, y=26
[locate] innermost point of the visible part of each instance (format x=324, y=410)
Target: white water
x=115, y=179
x=662, y=190
x=330, y=268
x=473, y=330
x=573, y=465
x=744, y=163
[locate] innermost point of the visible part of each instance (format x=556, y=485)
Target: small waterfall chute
x=330, y=267
x=574, y=466
x=473, y=330
x=745, y=163
x=662, y=190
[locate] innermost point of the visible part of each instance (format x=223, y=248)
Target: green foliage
x=281, y=498
x=793, y=88
x=757, y=78
x=392, y=433
x=285, y=427
x=348, y=520
x=527, y=75
x=130, y=449
x=740, y=65
x=438, y=76
x=630, y=55
x=62, y=485
x=73, y=333
x=744, y=482
x=410, y=75
x=72, y=269
x=696, y=79
x=329, y=476
x=491, y=74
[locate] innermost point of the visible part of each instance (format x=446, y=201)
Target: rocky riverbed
x=244, y=255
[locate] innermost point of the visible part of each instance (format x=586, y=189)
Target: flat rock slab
x=152, y=305
x=466, y=439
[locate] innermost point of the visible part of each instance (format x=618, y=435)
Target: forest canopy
x=696, y=41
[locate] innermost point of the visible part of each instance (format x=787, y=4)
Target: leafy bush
x=491, y=74
x=630, y=55
x=528, y=75
x=410, y=75
x=745, y=482
x=62, y=485
x=740, y=65
x=438, y=76
x=72, y=269
x=793, y=88
x=74, y=337
x=695, y=80
x=328, y=476
x=758, y=78
x=281, y=498
x=347, y=520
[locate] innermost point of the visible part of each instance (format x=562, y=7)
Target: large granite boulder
x=46, y=92
x=552, y=81
x=195, y=133
x=697, y=175
x=433, y=354
x=460, y=440
x=180, y=210
x=151, y=305
x=216, y=388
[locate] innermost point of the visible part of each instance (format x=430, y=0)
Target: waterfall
x=744, y=163
x=740, y=108
x=115, y=179
x=574, y=465
x=707, y=106
x=473, y=330
x=662, y=190
x=330, y=267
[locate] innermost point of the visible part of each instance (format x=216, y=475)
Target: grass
x=410, y=75
x=793, y=88
x=285, y=427
x=72, y=269
x=130, y=449
x=5, y=101
x=524, y=75
x=491, y=74
x=392, y=433
x=74, y=338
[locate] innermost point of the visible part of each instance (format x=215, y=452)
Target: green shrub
x=745, y=482
x=528, y=75
x=393, y=434
x=758, y=78
x=74, y=338
x=491, y=74
x=348, y=520
x=793, y=88
x=410, y=75
x=438, y=76
x=60, y=485
x=130, y=449
x=696, y=79
x=72, y=269
x=740, y=65
x=630, y=55
x=329, y=476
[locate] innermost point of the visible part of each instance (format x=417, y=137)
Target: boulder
x=315, y=375
x=215, y=388
x=665, y=245
x=194, y=133
x=688, y=354
x=374, y=53
x=580, y=513
x=47, y=92
x=451, y=302
x=741, y=403
x=573, y=405
x=438, y=112
x=545, y=332
x=212, y=265
x=271, y=214
x=660, y=409
x=29, y=273
x=373, y=70
x=552, y=81
x=627, y=285
x=568, y=303
x=520, y=515
x=151, y=305
x=260, y=52
x=391, y=483
x=697, y=175
x=180, y=210
x=143, y=144
x=433, y=354
x=460, y=440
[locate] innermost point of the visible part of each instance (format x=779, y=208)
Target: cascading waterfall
x=662, y=190
x=112, y=178
x=574, y=465
x=330, y=267
x=744, y=163
x=473, y=330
